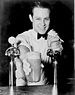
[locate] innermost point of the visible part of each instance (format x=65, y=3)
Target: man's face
x=41, y=20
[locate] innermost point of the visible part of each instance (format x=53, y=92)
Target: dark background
x=14, y=19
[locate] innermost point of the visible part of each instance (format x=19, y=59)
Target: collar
x=34, y=33
x=38, y=36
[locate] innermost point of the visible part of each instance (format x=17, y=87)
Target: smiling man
x=34, y=45
x=40, y=20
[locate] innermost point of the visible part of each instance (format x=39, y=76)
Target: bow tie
x=41, y=35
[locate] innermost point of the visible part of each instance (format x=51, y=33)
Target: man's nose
x=43, y=22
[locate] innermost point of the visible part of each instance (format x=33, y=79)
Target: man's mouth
x=43, y=28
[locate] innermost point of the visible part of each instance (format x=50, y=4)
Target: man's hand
x=54, y=41
x=56, y=46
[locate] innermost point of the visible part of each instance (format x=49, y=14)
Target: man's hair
x=40, y=4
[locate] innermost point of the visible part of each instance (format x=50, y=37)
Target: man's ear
x=30, y=17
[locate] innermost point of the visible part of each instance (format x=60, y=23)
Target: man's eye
x=46, y=18
x=37, y=18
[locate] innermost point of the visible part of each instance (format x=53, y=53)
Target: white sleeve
x=24, y=40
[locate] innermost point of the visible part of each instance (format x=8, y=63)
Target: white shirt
x=29, y=39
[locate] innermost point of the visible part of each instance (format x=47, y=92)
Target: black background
x=14, y=20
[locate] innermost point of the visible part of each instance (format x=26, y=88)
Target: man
x=33, y=50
